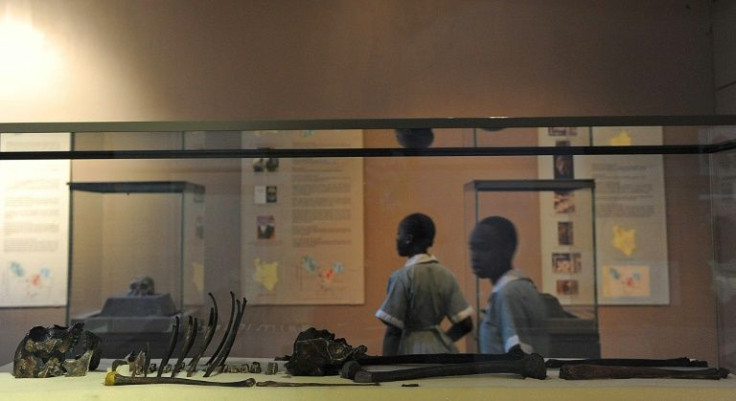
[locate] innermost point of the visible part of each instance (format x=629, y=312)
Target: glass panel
x=723, y=184
x=279, y=208
x=556, y=249
x=137, y=257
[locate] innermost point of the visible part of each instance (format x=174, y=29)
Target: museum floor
x=467, y=388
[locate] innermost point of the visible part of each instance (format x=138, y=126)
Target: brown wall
x=193, y=60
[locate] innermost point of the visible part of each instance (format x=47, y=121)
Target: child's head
x=416, y=235
x=492, y=247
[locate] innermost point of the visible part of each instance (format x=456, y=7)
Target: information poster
x=34, y=222
x=630, y=216
x=566, y=223
x=302, y=221
x=631, y=225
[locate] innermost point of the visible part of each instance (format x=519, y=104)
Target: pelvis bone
x=44, y=352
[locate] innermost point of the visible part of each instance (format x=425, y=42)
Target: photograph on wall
x=263, y=194
x=566, y=263
x=561, y=263
x=563, y=167
x=566, y=220
x=272, y=194
x=567, y=287
x=266, y=226
x=303, y=237
x=564, y=233
x=564, y=202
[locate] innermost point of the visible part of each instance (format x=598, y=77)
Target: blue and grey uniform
x=420, y=295
x=516, y=315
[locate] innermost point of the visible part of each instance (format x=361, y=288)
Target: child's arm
x=459, y=329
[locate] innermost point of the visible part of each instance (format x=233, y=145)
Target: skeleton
x=208, y=335
x=589, y=372
x=318, y=353
x=228, y=338
x=227, y=330
x=188, y=341
x=140, y=364
x=528, y=366
x=272, y=368
x=350, y=368
x=141, y=286
x=43, y=352
x=116, y=379
x=255, y=367
x=674, y=362
x=172, y=344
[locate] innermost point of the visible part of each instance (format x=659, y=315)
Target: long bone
x=230, y=339
x=116, y=379
x=349, y=368
x=529, y=366
x=589, y=372
x=208, y=335
x=271, y=383
x=172, y=344
x=673, y=362
x=188, y=341
x=227, y=330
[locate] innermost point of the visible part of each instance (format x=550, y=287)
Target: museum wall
x=295, y=59
x=187, y=60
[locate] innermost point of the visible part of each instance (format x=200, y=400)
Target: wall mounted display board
x=302, y=221
x=631, y=225
x=34, y=220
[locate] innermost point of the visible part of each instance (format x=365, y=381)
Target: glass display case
x=557, y=249
x=627, y=222
x=128, y=288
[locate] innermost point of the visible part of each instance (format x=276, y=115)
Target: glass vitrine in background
x=137, y=260
x=555, y=228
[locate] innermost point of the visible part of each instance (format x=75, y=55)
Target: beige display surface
x=479, y=387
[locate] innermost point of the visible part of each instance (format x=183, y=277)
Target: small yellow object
x=622, y=139
x=624, y=239
x=110, y=379
x=267, y=273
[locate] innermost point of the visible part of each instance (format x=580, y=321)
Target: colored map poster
x=302, y=221
x=631, y=224
x=34, y=222
x=630, y=262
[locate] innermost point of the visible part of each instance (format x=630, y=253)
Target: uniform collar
x=507, y=277
x=420, y=258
